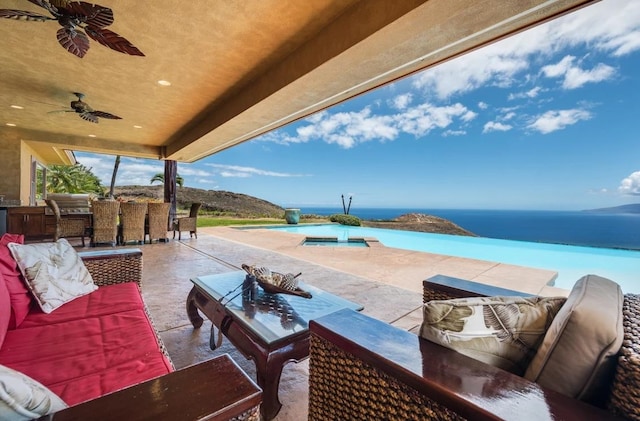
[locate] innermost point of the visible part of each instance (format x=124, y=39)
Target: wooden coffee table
x=271, y=329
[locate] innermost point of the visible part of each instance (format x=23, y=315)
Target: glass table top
x=270, y=316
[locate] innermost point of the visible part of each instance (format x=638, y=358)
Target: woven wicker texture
x=158, y=220
x=431, y=294
x=105, y=221
x=115, y=269
x=132, y=218
x=342, y=387
x=66, y=227
x=189, y=223
x=252, y=414
x=625, y=393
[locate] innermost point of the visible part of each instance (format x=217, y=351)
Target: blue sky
x=545, y=120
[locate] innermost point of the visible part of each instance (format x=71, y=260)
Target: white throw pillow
x=23, y=398
x=54, y=272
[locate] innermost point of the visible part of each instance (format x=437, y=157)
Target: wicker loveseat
x=362, y=368
x=101, y=354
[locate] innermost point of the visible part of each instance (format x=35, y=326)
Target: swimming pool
x=571, y=262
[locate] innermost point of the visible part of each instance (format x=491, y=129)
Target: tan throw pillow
x=502, y=331
x=23, y=398
x=54, y=272
x=578, y=353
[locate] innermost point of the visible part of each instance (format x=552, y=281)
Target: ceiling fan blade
x=60, y=111
x=106, y=115
x=89, y=117
x=92, y=14
x=23, y=15
x=112, y=40
x=73, y=41
x=45, y=4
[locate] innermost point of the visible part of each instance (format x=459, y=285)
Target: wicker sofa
x=362, y=368
x=101, y=345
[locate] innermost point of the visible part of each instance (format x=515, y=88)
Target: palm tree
x=160, y=178
x=72, y=179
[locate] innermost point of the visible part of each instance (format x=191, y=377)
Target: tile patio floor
x=386, y=281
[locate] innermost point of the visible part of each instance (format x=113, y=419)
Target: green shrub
x=345, y=219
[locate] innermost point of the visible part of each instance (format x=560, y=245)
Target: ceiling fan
x=85, y=111
x=74, y=16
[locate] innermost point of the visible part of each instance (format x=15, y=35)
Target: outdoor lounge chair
x=362, y=368
x=158, y=221
x=132, y=222
x=189, y=223
x=105, y=221
x=66, y=227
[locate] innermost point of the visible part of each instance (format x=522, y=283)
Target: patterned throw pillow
x=502, y=331
x=54, y=272
x=23, y=398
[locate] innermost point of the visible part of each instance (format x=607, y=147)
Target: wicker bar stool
x=105, y=221
x=132, y=218
x=66, y=227
x=157, y=226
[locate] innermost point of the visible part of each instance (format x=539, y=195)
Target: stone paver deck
x=386, y=281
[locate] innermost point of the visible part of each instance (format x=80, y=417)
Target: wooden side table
x=213, y=390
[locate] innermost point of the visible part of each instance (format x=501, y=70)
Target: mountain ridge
x=630, y=208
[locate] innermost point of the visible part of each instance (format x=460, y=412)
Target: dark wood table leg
x=268, y=373
x=192, y=310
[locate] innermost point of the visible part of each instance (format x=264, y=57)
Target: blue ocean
x=558, y=227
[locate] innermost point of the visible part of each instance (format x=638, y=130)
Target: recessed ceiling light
x=164, y=83
x=17, y=107
x=11, y=125
x=137, y=127
x=92, y=135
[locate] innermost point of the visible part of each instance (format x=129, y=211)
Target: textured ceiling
x=237, y=68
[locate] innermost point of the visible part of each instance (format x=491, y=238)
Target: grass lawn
x=217, y=221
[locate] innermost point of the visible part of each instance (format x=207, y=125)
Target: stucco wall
x=10, y=168
x=15, y=169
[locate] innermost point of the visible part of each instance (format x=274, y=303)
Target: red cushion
x=5, y=309
x=84, y=359
x=105, y=300
x=20, y=295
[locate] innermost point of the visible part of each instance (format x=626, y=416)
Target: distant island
x=632, y=208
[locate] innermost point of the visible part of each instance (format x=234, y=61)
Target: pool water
x=334, y=242
x=571, y=262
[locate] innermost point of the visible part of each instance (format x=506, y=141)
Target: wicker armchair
x=132, y=221
x=105, y=222
x=158, y=221
x=362, y=368
x=66, y=227
x=189, y=223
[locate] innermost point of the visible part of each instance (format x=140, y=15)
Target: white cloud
x=244, y=172
x=401, y=102
x=348, y=129
x=630, y=185
x=448, y=133
x=558, y=120
x=612, y=26
x=508, y=116
x=531, y=93
x=574, y=76
x=494, y=126
x=483, y=105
